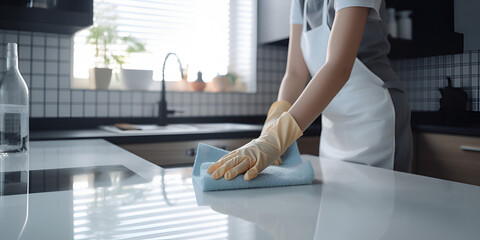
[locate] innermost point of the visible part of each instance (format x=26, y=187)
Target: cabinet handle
x=191, y=152
x=468, y=148
x=222, y=147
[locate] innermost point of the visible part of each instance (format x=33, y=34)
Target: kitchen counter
x=57, y=129
x=129, y=138
x=83, y=189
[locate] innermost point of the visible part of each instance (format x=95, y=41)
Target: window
x=211, y=36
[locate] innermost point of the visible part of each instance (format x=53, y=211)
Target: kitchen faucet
x=162, y=105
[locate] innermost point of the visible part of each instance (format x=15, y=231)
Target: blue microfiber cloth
x=292, y=171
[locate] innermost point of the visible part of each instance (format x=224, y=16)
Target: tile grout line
x=45, y=76
x=58, y=77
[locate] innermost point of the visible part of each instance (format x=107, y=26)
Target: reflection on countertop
x=352, y=202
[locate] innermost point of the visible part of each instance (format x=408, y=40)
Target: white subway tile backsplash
x=38, y=39
x=137, y=97
x=77, y=110
x=126, y=110
x=27, y=80
x=114, y=110
x=64, y=110
x=150, y=110
x=51, y=68
x=51, y=96
x=90, y=110
x=38, y=67
x=11, y=38
x=52, y=39
x=38, y=53
x=51, y=81
x=37, y=110
x=125, y=97
x=77, y=96
x=37, y=96
x=23, y=65
x=64, y=68
x=25, y=39
x=90, y=96
x=102, y=110
x=102, y=96
x=51, y=110
x=64, y=96
x=65, y=41
x=137, y=110
x=114, y=97
x=64, y=82
x=64, y=54
x=45, y=63
x=24, y=52
x=52, y=54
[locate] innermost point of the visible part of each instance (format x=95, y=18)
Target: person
x=343, y=45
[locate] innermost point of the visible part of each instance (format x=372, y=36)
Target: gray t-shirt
x=374, y=46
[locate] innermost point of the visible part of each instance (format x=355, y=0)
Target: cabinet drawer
x=178, y=153
x=181, y=153
x=449, y=157
x=309, y=145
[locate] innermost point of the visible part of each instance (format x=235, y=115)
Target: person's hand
x=258, y=154
x=274, y=113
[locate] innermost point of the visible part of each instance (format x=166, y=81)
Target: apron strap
x=399, y=85
x=324, y=13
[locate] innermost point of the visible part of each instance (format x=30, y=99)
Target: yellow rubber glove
x=258, y=154
x=274, y=113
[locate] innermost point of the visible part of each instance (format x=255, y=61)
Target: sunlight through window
x=215, y=37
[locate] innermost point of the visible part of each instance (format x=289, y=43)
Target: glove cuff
x=276, y=109
x=283, y=132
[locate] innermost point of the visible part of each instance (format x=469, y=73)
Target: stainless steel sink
x=152, y=129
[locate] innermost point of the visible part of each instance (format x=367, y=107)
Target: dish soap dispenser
x=13, y=106
x=199, y=84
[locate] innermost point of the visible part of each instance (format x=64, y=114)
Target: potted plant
x=133, y=79
x=104, y=36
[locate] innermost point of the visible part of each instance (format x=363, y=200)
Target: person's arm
x=256, y=155
x=296, y=74
x=345, y=38
x=293, y=82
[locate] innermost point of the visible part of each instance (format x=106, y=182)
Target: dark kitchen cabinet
x=168, y=154
x=68, y=17
x=433, y=26
x=449, y=157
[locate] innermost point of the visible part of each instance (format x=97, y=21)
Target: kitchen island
x=92, y=189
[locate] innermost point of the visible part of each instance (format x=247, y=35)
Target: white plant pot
x=99, y=78
x=136, y=79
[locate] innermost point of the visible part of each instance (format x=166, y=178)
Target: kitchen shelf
x=68, y=21
x=433, y=29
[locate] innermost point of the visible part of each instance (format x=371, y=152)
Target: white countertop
x=353, y=202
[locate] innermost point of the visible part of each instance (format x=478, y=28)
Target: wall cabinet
x=273, y=21
x=68, y=17
x=449, y=157
x=433, y=29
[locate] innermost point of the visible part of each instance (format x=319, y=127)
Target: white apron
x=359, y=123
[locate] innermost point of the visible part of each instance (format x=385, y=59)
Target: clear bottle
x=392, y=26
x=13, y=106
x=405, y=24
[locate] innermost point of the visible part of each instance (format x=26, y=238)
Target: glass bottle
x=13, y=106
